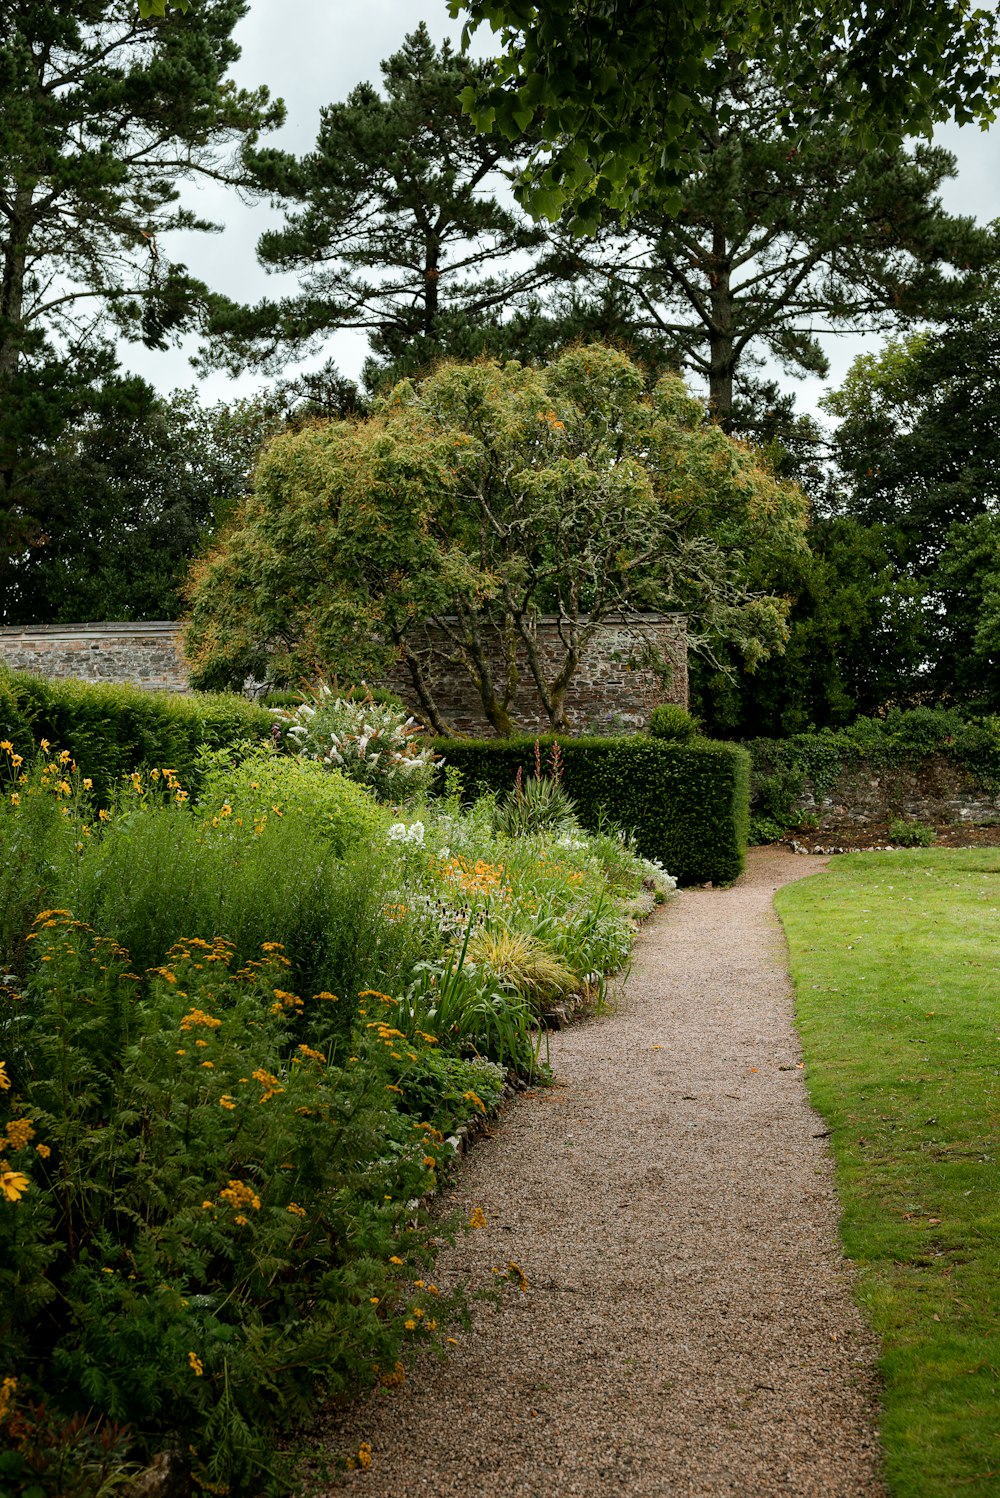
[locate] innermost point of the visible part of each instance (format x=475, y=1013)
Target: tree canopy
x=102, y=115
x=617, y=89
x=772, y=239
x=477, y=499
x=400, y=222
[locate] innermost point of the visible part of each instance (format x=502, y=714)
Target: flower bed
x=241, y=1037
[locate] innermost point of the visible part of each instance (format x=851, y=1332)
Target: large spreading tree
x=102, y=115
x=773, y=239
x=918, y=452
x=476, y=500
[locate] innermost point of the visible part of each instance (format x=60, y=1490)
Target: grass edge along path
x=893, y=958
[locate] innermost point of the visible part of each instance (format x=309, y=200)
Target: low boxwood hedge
x=112, y=729
x=686, y=803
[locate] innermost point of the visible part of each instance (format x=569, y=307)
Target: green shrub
x=379, y=746
x=204, y=1224
x=114, y=729
x=150, y=869
x=671, y=721
x=911, y=834
x=686, y=805
x=258, y=783
x=535, y=805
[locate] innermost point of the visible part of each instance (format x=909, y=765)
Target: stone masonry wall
x=933, y=790
x=147, y=655
x=611, y=692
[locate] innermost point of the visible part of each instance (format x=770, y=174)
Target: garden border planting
x=687, y=805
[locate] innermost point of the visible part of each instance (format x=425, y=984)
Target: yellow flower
x=4, y=1079
x=19, y=1131
x=197, y=1365
x=517, y=1274
x=373, y=1300
x=104, y=816
x=226, y=1101
x=208, y=1206
x=15, y=799
x=395, y=1260
x=88, y=784
x=395, y=1378
x=64, y=757
x=13, y=1183
x=43, y=1150
x=16, y=759
x=410, y=1325
x=181, y=796
x=478, y=1218
x=364, y=1456
x=6, y=744
x=472, y=1097
x=7, y=1391
x=296, y=1209
x=240, y=1220
x=239, y=1194
x=181, y=1052
x=208, y=1063
x=196, y=1016
x=430, y=1161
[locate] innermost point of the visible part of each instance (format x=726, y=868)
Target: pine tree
x=777, y=237
x=396, y=225
x=102, y=115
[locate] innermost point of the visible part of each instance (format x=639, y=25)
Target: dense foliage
x=238, y=1031
x=619, y=91
x=685, y=804
x=101, y=115
x=116, y=728
x=477, y=499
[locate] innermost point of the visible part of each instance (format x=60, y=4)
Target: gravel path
x=688, y=1327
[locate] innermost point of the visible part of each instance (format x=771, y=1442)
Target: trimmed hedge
x=112, y=729
x=687, y=804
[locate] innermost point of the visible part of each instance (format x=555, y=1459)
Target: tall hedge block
x=687, y=804
x=112, y=729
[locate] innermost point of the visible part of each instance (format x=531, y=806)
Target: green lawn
x=895, y=963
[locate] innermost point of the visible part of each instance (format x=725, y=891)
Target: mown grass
x=894, y=959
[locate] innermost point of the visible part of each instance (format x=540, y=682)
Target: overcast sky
x=312, y=52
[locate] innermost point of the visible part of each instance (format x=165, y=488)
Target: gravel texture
x=688, y=1325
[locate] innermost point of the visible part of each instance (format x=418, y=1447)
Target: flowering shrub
x=211, y=1145
x=203, y=1221
x=368, y=741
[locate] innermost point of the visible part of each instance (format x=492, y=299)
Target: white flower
x=416, y=833
x=397, y=833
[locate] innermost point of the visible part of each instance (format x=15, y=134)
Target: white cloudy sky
x=313, y=52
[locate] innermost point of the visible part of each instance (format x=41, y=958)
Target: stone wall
x=147, y=655
x=933, y=790
x=612, y=690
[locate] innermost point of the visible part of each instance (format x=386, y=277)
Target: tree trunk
x=432, y=277
x=722, y=363
x=12, y=284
